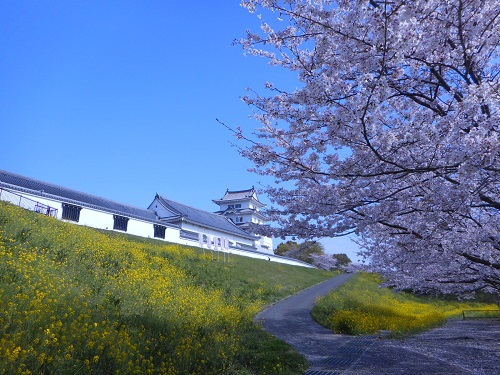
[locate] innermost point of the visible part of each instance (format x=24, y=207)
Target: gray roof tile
x=241, y=194
x=73, y=196
x=204, y=218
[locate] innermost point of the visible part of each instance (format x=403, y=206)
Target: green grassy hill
x=74, y=300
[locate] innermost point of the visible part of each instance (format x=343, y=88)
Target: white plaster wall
x=97, y=219
x=270, y=258
x=94, y=218
x=266, y=241
x=172, y=235
x=104, y=220
x=251, y=254
x=212, y=232
x=245, y=204
x=140, y=228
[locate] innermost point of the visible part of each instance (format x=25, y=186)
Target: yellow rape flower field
x=74, y=300
x=360, y=306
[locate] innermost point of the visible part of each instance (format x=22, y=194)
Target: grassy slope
x=76, y=300
x=253, y=279
x=361, y=307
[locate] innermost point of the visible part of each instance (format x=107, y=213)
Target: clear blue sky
x=119, y=98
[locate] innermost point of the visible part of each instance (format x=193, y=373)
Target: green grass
x=245, y=277
x=77, y=300
x=360, y=306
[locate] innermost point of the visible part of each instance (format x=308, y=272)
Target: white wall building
x=197, y=225
x=164, y=219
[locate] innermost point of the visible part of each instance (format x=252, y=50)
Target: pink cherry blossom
x=392, y=133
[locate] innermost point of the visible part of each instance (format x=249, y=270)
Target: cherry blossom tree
x=392, y=132
x=303, y=251
x=311, y=252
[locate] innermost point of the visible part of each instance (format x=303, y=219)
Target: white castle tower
x=243, y=208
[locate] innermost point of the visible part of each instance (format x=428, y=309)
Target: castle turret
x=243, y=208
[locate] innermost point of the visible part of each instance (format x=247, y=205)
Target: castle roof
x=182, y=212
x=239, y=196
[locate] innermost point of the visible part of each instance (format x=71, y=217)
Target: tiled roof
x=203, y=218
x=241, y=194
x=37, y=187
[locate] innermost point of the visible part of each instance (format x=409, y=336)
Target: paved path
x=459, y=347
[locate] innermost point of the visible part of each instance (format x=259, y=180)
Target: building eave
x=243, y=212
x=247, y=235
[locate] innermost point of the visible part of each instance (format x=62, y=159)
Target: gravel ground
x=459, y=347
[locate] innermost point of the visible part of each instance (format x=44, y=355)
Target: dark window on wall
x=160, y=231
x=190, y=235
x=70, y=212
x=120, y=223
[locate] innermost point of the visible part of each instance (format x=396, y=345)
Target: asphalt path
x=291, y=321
x=459, y=347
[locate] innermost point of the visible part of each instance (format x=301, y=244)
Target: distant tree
x=311, y=252
x=302, y=251
x=286, y=247
x=324, y=261
x=342, y=260
x=393, y=132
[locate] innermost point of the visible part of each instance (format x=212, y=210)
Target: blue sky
x=119, y=98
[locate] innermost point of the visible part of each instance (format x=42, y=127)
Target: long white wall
x=248, y=253
x=257, y=244
x=94, y=218
x=212, y=232
x=104, y=220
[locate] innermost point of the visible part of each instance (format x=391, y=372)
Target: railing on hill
x=480, y=314
x=29, y=204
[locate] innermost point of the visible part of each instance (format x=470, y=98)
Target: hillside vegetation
x=74, y=300
x=360, y=306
